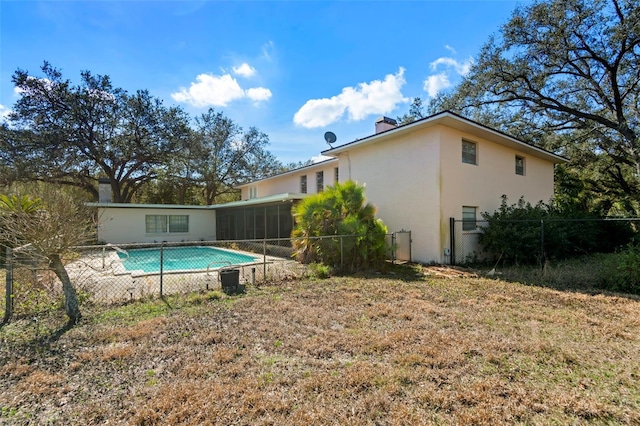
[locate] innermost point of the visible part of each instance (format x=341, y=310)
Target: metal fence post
x=8, y=309
x=264, y=257
x=542, y=242
x=161, y=265
x=452, y=241
x=342, y=251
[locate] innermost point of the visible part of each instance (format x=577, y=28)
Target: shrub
x=323, y=220
x=515, y=232
x=623, y=271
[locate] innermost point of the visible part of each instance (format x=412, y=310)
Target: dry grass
x=390, y=349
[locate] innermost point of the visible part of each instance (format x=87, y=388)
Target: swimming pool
x=181, y=259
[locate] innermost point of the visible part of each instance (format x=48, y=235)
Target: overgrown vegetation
x=518, y=233
x=41, y=230
x=340, y=210
x=396, y=348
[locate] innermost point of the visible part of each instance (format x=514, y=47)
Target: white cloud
x=258, y=94
x=4, y=112
x=214, y=90
x=375, y=97
x=450, y=49
x=46, y=84
x=462, y=68
x=245, y=70
x=436, y=83
x=267, y=50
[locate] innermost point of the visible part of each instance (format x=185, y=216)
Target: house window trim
x=470, y=226
x=166, y=226
x=253, y=192
x=523, y=169
x=475, y=152
x=320, y=181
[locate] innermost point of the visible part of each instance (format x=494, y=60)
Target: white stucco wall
x=418, y=181
x=290, y=182
x=402, y=179
x=483, y=184
x=123, y=225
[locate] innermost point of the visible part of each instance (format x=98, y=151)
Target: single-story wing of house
x=418, y=175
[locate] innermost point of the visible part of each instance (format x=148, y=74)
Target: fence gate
x=401, y=243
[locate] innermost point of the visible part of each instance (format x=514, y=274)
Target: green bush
x=623, y=271
x=338, y=229
x=514, y=232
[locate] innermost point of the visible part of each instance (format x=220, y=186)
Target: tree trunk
x=71, y=306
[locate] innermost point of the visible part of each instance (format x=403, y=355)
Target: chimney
x=385, y=123
x=104, y=190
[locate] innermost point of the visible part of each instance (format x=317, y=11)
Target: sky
x=292, y=69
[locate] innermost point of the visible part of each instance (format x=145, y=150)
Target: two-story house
x=418, y=175
x=422, y=174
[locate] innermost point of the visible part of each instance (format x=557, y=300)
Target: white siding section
x=401, y=178
x=290, y=182
x=123, y=225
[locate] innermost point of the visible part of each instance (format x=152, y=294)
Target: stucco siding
x=290, y=182
x=401, y=178
x=127, y=225
x=483, y=184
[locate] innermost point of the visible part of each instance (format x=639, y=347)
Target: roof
x=290, y=172
x=278, y=198
x=147, y=206
x=450, y=119
x=252, y=202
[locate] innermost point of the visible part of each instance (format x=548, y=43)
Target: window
x=468, y=218
x=519, y=165
x=336, y=175
x=320, y=181
x=469, y=152
x=253, y=192
x=179, y=223
x=303, y=184
x=156, y=224
x=161, y=224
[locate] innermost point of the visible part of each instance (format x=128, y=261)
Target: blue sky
x=292, y=69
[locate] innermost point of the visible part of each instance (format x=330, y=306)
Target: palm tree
x=340, y=210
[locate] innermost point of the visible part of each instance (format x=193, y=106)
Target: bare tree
x=48, y=227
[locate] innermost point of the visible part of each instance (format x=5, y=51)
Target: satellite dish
x=330, y=137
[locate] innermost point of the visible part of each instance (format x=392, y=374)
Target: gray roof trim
x=254, y=201
x=450, y=119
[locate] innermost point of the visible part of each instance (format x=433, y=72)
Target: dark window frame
x=469, y=155
x=520, y=165
x=469, y=218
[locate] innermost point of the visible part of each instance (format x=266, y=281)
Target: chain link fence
x=536, y=241
x=108, y=274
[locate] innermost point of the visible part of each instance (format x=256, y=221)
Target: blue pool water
x=182, y=258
